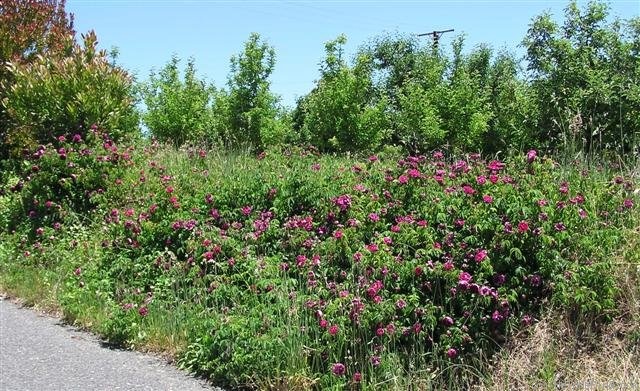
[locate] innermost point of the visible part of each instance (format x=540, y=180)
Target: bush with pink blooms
x=343, y=272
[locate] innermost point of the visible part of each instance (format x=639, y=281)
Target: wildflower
x=531, y=156
x=374, y=217
x=508, y=228
x=447, y=321
x=484, y=290
x=357, y=257
x=497, y=316
x=523, y=226
x=413, y=173
x=464, y=279
x=357, y=377
x=143, y=311
x=480, y=256
x=627, y=203
x=582, y=213
x=338, y=369
x=487, y=199
x=375, y=361
x=481, y=179
x=333, y=330
x=564, y=188
x=380, y=331
x=468, y=190
x=403, y=179
x=400, y=304
x=343, y=202
x=535, y=280
x=323, y=323
x=246, y=210
x=495, y=165
x=452, y=353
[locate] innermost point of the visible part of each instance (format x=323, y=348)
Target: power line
x=436, y=36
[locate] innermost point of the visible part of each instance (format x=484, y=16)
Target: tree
x=585, y=74
x=178, y=110
x=251, y=107
x=341, y=113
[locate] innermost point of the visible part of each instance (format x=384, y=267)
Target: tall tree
x=252, y=108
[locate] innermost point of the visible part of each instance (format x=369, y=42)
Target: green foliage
x=585, y=79
x=60, y=180
x=178, y=111
x=464, y=109
x=418, y=125
x=340, y=114
x=251, y=107
x=415, y=97
x=29, y=29
x=55, y=95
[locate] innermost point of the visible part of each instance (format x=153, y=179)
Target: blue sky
x=148, y=32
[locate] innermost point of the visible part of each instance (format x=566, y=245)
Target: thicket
x=577, y=89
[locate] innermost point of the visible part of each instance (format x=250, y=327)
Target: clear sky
x=148, y=32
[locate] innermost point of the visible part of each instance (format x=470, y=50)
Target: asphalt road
x=38, y=353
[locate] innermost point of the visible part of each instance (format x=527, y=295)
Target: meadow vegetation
x=422, y=219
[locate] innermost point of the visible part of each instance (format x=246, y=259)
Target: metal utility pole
x=436, y=36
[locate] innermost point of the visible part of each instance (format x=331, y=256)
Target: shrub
x=29, y=29
x=61, y=180
x=57, y=95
